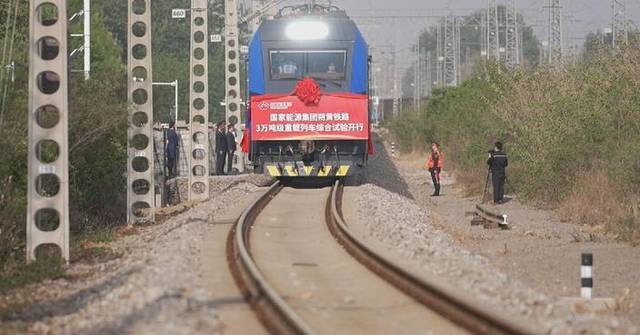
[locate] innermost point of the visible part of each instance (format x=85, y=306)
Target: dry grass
x=473, y=181
x=595, y=201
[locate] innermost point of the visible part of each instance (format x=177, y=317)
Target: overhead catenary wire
x=5, y=84
x=5, y=40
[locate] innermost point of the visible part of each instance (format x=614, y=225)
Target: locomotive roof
x=341, y=28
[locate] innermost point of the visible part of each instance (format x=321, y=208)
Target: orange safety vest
x=433, y=162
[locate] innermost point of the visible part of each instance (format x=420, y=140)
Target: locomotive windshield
x=296, y=64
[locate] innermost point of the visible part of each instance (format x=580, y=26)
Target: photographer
x=497, y=165
x=435, y=165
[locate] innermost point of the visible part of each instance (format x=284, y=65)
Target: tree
x=470, y=37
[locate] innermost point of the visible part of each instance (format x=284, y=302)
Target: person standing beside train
x=171, y=149
x=435, y=163
x=221, y=148
x=231, y=147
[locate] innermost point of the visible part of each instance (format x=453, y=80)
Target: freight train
x=308, y=113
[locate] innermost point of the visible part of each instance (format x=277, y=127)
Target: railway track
x=284, y=308
x=272, y=310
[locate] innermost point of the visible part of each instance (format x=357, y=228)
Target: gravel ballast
x=401, y=224
x=155, y=286
x=178, y=192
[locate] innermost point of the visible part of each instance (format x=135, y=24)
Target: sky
x=579, y=17
x=396, y=24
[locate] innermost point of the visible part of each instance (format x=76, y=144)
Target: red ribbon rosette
x=308, y=91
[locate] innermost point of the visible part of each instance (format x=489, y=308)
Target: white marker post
x=505, y=224
x=586, y=276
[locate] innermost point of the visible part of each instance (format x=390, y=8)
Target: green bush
x=555, y=123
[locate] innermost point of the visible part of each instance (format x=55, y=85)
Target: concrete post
x=199, y=102
x=232, y=72
x=140, y=162
x=48, y=162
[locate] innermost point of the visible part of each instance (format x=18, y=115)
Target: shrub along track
x=299, y=281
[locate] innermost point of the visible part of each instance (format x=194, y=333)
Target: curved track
x=473, y=317
x=299, y=281
x=272, y=310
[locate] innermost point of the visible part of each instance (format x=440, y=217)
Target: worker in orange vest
x=435, y=165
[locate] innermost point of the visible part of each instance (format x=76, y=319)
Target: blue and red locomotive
x=308, y=111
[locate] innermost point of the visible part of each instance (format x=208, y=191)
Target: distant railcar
x=308, y=112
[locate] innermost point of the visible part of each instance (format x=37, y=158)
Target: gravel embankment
x=177, y=188
x=154, y=287
x=403, y=225
x=390, y=214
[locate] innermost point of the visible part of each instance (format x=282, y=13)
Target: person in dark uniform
x=231, y=147
x=171, y=149
x=221, y=148
x=498, y=164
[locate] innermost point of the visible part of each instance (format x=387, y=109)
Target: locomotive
x=308, y=91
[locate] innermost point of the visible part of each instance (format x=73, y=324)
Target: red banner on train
x=286, y=117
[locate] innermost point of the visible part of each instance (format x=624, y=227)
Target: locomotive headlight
x=307, y=30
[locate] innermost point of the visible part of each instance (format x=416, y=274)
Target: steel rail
x=489, y=215
x=274, y=313
x=436, y=295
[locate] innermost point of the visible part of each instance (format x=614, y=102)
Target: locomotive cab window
x=320, y=64
x=286, y=65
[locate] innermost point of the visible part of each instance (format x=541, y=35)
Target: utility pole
x=555, y=32
x=140, y=162
x=419, y=75
x=458, y=51
x=423, y=72
x=48, y=138
x=512, y=34
x=416, y=75
x=395, y=82
x=493, y=40
x=199, y=103
x=450, y=46
x=232, y=73
x=483, y=34
x=467, y=63
x=429, y=69
x=87, y=38
x=440, y=56
x=619, y=23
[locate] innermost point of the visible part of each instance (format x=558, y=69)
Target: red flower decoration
x=308, y=91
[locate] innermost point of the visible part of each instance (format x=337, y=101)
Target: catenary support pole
x=48, y=163
x=232, y=73
x=199, y=102
x=555, y=32
x=87, y=38
x=140, y=162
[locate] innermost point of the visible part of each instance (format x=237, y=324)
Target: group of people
x=497, y=164
x=225, y=148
